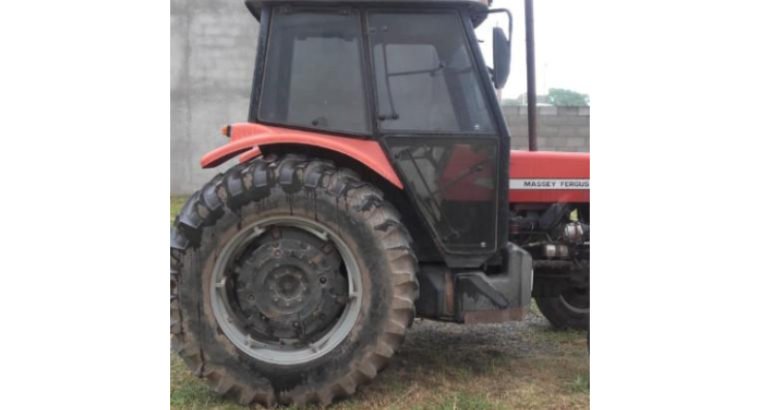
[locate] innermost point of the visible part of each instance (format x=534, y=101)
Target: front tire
x=563, y=314
x=565, y=302
x=321, y=250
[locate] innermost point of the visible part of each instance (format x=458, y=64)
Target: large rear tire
x=289, y=241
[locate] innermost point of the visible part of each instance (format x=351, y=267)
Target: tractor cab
x=409, y=76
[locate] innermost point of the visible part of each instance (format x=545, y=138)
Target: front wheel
x=565, y=302
x=293, y=282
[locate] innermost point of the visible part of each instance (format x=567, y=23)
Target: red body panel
x=547, y=176
x=245, y=138
x=535, y=176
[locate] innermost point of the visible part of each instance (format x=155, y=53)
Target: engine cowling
x=549, y=177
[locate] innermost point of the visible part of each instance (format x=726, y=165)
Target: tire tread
x=253, y=182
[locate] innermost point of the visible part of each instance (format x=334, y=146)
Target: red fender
x=246, y=138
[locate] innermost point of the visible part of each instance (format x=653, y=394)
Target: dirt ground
x=519, y=365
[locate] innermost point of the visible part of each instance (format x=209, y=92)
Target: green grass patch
x=189, y=392
x=175, y=205
x=463, y=400
x=581, y=384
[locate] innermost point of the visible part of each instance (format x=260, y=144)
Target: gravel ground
x=507, y=337
x=472, y=346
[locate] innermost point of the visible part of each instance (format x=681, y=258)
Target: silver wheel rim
x=274, y=353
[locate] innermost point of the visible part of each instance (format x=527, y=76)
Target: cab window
x=313, y=72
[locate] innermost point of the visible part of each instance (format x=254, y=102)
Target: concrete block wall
x=213, y=49
x=559, y=128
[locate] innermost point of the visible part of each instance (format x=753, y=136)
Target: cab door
x=437, y=125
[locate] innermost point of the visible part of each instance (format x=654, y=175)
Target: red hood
x=548, y=176
x=549, y=164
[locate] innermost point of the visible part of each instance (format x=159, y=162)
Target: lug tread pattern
x=253, y=182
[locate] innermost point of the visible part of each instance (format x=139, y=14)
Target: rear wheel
x=293, y=282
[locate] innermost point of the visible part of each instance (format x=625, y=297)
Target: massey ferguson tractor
x=375, y=184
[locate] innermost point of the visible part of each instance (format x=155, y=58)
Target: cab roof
x=477, y=10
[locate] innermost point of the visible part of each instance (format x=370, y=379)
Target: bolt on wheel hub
x=286, y=290
x=289, y=286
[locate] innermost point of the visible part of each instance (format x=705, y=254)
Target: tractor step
x=475, y=297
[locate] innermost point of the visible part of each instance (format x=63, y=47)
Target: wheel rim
x=287, y=290
x=576, y=300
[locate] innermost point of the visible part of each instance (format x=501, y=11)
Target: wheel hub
x=290, y=288
x=286, y=290
x=576, y=296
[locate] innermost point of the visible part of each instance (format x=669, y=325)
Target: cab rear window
x=313, y=73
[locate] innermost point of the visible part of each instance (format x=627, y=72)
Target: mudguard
x=535, y=176
x=246, y=138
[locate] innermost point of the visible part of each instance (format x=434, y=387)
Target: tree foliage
x=563, y=97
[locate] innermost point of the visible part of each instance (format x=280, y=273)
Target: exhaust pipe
x=530, y=61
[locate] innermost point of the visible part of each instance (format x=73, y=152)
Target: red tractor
x=375, y=185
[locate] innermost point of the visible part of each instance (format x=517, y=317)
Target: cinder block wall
x=213, y=48
x=559, y=128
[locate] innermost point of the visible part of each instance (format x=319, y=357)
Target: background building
x=213, y=47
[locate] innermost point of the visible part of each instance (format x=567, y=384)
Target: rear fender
x=246, y=138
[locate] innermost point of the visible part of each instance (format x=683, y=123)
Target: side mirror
x=502, y=55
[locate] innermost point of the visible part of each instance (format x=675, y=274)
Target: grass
x=175, y=205
x=519, y=365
